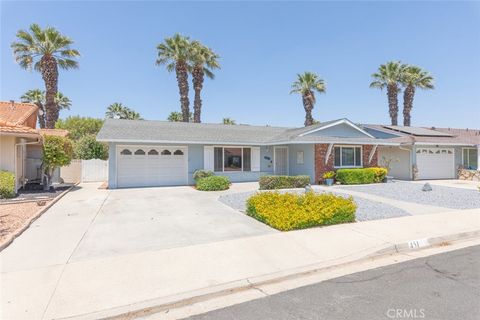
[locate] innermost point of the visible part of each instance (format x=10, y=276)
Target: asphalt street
x=444, y=286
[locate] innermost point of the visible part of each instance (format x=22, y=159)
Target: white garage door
x=436, y=163
x=147, y=166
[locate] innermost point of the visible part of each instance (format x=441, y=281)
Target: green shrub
x=7, y=184
x=380, y=174
x=200, y=174
x=289, y=211
x=361, y=175
x=88, y=148
x=213, y=183
x=283, y=182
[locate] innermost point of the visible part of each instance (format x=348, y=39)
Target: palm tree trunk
x=41, y=115
x=408, y=104
x=198, y=76
x=392, y=93
x=182, y=79
x=49, y=71
x=308, y=106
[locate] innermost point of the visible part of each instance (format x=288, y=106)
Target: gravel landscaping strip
x=37, y=194
x=367, y=209
x=440, y=196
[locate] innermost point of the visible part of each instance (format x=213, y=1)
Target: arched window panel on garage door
x=166, y=152
x=153, y=152
x=139, y=152
x=178, y=153
x=126, y=152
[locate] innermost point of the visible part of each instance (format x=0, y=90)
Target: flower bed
x=289, y=211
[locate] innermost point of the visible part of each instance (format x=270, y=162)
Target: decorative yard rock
x=427, y=187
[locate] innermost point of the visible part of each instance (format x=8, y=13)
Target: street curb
x=37, y=215
x=153, y=306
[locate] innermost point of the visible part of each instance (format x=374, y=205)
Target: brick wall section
x=367, y=149
x=321, y=167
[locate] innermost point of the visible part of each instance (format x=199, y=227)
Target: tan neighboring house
x=21, y=141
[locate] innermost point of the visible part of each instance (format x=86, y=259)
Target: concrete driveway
x=91, y=223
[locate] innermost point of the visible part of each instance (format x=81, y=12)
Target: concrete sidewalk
x=97, y=288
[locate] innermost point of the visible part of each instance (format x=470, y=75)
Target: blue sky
x=263, y=45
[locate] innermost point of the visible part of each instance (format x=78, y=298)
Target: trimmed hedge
x=289, y=211
x=7, y=184
x=213, y=183
x=361, y=175
x=283, y=182
x=200, y=174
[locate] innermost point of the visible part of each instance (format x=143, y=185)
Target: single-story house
x=21, y=142
x=160, y=153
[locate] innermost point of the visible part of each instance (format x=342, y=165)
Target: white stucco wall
x=7, y=153
x=400, y=166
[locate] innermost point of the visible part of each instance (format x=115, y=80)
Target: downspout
x=23, y=158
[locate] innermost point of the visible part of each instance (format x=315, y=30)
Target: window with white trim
x=230, y=159
x=470, y=158
x=347, y=156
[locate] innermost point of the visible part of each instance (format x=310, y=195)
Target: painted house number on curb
x=415, y=244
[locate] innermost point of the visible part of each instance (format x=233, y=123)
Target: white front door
x=148, y=166
x=281, y=160
x=435, y=163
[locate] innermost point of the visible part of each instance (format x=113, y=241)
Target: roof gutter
x=245, y=143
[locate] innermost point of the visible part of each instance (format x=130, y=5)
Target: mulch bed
x=35, y=195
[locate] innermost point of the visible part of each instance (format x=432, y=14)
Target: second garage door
x=435, y=163
x=146, y=166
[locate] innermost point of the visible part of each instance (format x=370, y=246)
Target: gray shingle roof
x=147, y=131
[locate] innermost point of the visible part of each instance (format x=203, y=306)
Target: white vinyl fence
x=93, y=170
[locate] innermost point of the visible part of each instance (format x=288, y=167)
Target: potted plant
x=328, y=177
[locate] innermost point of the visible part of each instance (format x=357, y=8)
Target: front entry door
x=281, y=160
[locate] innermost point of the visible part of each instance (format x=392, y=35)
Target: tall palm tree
x=37, y=97
x=306, y=85
x=176, y=116
x=174, y=52
x=202, y=60
x=45, y=50
x=389, y=76
x=119, y=111
x=413, y=77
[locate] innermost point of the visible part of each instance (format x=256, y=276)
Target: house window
x=300, y=157
x=232, y=159
x=470, y=159
x=348, y=156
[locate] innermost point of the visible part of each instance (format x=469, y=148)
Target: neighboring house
x=428, y=153
x=157, y=153
x=21, y=142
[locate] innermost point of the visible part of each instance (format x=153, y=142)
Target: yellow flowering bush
x=289, y=211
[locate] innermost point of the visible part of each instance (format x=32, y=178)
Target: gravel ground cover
x=367, y=209
x=14, y=216
x=440, y=196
